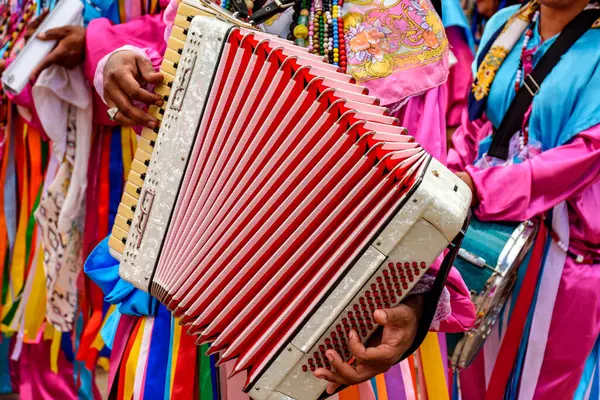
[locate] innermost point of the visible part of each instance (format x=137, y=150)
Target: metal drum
x=488, y=261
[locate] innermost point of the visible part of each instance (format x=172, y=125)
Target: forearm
x=520, y=191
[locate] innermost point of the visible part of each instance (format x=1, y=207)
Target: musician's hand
x=466, y=178
x=35, y=23
x=124, y=72
x=69, y=51
x=399, y=331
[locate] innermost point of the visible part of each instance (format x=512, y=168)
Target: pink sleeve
x=520, y=191
x=455, y=311
x=102, y=38
x=459, y=79
x=25, y=100
x=169, y=18
x=465, y=141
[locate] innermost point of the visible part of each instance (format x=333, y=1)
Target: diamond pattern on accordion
x=385, y=290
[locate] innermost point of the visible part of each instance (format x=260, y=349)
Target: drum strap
x=515, y=115
x=514, y=332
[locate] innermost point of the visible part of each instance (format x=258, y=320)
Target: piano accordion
x=279, y=206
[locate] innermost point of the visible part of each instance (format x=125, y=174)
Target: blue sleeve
x=103, y=269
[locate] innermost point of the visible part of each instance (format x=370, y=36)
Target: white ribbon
x=544, y=307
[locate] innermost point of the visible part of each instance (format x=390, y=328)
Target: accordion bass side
x=281, y=207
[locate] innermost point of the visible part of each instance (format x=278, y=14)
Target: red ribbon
x=514, y=332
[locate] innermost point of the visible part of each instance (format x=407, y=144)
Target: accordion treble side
x=281, y=207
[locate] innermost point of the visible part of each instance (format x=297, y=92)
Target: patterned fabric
x=397, y=49
x=62, y=250
x=444, y=307
x=495, y=54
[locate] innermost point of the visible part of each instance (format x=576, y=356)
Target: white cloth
x=56, y=90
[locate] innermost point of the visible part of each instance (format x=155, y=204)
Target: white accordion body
x=425, y=218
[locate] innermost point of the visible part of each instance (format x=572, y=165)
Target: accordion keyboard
x=147, y=139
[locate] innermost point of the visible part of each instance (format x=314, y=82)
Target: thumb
x=399, y=315
x=54, y=34
x=147, y=71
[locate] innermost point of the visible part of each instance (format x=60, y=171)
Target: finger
x=332, y=387
x=33, y=25
x=380, y=354
x=51, y=59
x=133, y=89
x=148, y=72
x=127, y=107
x=120, y=118
x=399, y=315
x=345, y=371
x=54, y=34
x=357, y=349
x=334, y=379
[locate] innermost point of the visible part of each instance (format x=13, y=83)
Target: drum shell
x=497, y=251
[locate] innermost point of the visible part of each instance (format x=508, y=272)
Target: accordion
x=278, y=206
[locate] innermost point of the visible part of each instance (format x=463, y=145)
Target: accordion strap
x=270, y=10
x=433, y=297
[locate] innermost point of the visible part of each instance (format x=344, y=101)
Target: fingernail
x=330, y=390
x=352, y=335
x=329, y=355
x=42, y=35
x=381, y=316
x=151, y=124
x=159, y=103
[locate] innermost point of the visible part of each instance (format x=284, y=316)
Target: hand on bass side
x=382, y=352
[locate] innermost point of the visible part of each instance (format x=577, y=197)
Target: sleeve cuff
x=99, y=74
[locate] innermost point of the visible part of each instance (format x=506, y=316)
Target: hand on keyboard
x=124, y=74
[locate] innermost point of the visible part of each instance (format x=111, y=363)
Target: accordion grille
x=147, y=140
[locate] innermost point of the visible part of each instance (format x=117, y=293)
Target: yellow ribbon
x=54, y=349
x=98, y=342
x=433, y=368
x=35, y=308
x=174, y=351
x=126, y=149
x=132, y=361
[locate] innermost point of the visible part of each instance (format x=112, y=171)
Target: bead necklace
x=14, y=36
x=525, y=66
x=319, y=26
x=528, y=36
